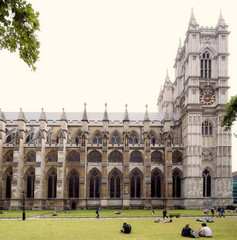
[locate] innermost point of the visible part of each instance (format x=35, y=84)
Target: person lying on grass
x=162, y=220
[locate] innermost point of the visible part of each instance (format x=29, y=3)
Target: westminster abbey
x=177, y=157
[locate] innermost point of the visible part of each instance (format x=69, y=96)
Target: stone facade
x=179, y=157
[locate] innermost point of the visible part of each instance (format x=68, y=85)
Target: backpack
x=194, y=234
x=96, y=211
x=127, y=228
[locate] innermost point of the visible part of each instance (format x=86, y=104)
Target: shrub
x=230, y=207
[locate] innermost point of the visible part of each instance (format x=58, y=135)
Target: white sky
x=98, y=51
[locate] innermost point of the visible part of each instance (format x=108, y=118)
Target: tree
x=231, y=113
x=18, y=25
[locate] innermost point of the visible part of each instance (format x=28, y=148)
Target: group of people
x=220, y=211
x=205, y=231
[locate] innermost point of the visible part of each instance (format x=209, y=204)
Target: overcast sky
x=114, y=52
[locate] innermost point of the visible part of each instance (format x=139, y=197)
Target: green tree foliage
x=18, y=26
x=231, y=113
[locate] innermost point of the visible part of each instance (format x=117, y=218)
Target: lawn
x=104, y=213
x=223, y=229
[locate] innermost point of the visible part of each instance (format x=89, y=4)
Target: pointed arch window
x=206, y=128
x=97, y=138
x=176, y=184
x=31, y=157
x=206, y=183
x=135, y=156
x=8, y=184
x=133, y=139
x=8, y=157
x=135, y=185
x=156, y=157
x=115, y=156
x=206, y=65
x=177, y=157
x=95, y=156
x=30, y=184
x=52, y=184
x=52, y=156
x=73, y=157
x=156, y=184
x=115, y=139
x=94, y=185
x=115, y=184
x=74, y=184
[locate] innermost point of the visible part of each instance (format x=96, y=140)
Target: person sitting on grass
x=54, y=214
x=186, y=231
x=120, y=212
x=205, y=231
x=126, y=228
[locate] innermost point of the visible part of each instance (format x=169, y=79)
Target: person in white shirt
x=205, y=231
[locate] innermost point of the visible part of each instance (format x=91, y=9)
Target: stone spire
x=2, y=117
x=126, y=118
x=63, y=116
x=167, y=78
x=146, y=117
x=21, y=116
x=192, y=20
x=105, y=118
x=42, y=116
x=221, y=21
x=84, y=116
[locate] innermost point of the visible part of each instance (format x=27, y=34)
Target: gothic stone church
x=178, y=157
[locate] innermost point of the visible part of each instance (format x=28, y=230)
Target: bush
x=174, y=215
x=230, y=207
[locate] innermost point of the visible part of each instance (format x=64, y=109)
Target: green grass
x=223, y=229
x=104, y=213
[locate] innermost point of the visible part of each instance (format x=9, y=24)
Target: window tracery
x=206, y=183
x=52, y=156
x=94, y=184
x=133, y=138
x=115, y=156
x=8, y=157
x=156, y=157
x=73, y=157
x=176, y=184
x=97, y=138
x=95, y=156
x=156, y=184
x=115, y=138
x=206, y=65
x=31, y=156
x=206, y=128
x=177, y=157
x=136, y=156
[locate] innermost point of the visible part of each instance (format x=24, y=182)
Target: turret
x=146, y=121
x=84, y=119
x=63, y=120
x=192, y=22
x=21, y=124
x=105, y=119
x=126, y=119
